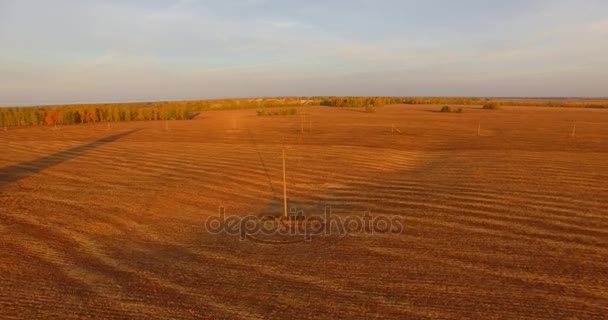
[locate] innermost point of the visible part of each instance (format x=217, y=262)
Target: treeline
x=252, y=103
x=358, y=101
x=77, y=114
x=553, y=103
x=443, y=100
x=566, y=103
x=379, y=101
x=164, y=110
x=91, y=113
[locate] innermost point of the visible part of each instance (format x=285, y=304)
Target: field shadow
x=293, y=242
x=194, y=115
x=351, y=109
x=26, y=169
x=263, y=163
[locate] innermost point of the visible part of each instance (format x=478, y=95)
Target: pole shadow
x=26, y=169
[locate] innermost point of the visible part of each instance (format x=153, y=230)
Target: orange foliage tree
x=51, y=118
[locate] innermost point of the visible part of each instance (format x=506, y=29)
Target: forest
x=184, y=110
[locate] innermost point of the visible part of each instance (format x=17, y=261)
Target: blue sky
x=90, y=51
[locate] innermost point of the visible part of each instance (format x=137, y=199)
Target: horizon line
x=52, y=104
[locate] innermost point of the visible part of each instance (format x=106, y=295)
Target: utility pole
x=284, y=188
x=574, y=130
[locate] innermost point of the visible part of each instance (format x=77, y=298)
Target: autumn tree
x=51, y=118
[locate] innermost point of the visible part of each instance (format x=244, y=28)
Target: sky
x=79, y=51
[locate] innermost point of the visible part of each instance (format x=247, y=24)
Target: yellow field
x=505, y=216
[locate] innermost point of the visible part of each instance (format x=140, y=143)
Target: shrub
x=491, y=106
x=370, y=109
x=278, y=112
x=450, y=110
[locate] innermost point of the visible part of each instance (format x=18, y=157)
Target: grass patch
x=491, y=106
x=449, y=109
x=277, y=112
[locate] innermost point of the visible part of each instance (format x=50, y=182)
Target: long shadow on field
x=276, y=245
x=263, y=163
x=25, y=169
x=351, y=109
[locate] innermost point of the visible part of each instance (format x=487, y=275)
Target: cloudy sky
x=64, y=51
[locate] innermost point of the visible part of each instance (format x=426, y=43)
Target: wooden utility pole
x=574, y=131
x=479, y=129
x=284, y=188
